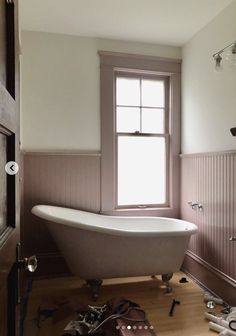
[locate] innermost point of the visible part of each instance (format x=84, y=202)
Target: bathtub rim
x=40, y=211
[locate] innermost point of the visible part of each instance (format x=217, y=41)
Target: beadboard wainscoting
x=61, y=179
x=210, y=179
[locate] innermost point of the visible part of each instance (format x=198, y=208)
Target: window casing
x=115, y=132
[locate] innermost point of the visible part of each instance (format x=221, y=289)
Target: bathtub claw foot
x=166, y=281
x=95, y=285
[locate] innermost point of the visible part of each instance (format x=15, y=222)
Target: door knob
x=29, y=264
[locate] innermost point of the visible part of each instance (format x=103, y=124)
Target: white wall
x=60, y=88
x=209, y=98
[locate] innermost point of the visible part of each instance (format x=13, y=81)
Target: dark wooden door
x=9, y=151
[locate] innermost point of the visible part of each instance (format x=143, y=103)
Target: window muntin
x=141, y=128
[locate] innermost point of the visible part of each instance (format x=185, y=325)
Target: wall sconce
x=230, y=56
x=233, y=131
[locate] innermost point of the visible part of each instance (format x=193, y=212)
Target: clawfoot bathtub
x=100, y=247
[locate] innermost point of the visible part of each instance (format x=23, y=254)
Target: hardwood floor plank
x=188, y=318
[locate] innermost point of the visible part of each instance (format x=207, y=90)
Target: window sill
x=156, y=212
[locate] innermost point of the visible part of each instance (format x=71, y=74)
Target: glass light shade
x=218, y=63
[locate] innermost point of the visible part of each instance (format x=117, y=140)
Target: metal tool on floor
x=211, y=305
x=174, y=302
x=209, y=297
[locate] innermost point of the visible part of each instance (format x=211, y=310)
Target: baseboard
x=51, y=265
x=209, y=277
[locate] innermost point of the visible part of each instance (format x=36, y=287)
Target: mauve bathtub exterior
x=97, y=246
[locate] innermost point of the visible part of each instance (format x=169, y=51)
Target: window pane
x=152, y=120
x=141, y=170
x=153, y=93
x=127, y=119
x=128, y=91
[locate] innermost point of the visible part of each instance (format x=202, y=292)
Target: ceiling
x=171, y=22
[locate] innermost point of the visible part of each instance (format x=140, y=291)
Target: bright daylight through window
x=141, y=140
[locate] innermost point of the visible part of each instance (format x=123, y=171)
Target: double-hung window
x=141, y=140
x=140, y=126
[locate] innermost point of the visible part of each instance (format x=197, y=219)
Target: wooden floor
x=188, y=319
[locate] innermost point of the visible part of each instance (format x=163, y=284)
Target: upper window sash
x=141, y=108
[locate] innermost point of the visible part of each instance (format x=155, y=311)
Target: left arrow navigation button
x=11, y=167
